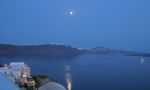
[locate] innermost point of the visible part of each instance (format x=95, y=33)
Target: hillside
x=39, y=50
x=53, y=50
x=104, y=50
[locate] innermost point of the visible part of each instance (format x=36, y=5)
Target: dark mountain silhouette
x=53, y=50
x=104, y=50
x=39, y=50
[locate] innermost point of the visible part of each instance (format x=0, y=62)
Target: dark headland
x=58, y=50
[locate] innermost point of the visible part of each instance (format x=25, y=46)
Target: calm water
x=93, y=72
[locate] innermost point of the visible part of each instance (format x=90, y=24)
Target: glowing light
x=69, y=81
x=71, y=12
x=142, y=61
x=68, y=77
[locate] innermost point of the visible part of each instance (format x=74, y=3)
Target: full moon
x=71, y=12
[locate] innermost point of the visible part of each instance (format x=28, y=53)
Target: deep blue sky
x=123, y=24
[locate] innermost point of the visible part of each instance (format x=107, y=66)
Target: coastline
x=17, y=75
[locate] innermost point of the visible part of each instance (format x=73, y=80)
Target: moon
x=71, y=12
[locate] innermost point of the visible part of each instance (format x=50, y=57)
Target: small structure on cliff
x=19, y=73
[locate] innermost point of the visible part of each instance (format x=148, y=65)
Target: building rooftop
x=52, y=86
x=6, y=84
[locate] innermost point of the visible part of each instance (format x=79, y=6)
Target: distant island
x=104, y=50
x=58, y=50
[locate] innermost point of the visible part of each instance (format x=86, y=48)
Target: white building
x=25, y=71
x=17, y=66
x=15, y=70
x=5, y=70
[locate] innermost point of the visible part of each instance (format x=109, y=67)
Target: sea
x=91, y=72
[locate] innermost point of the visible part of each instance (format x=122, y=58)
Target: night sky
x=120, y=24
